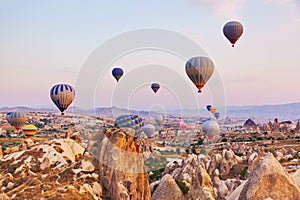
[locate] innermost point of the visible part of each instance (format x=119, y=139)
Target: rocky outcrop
x=167, y=189
x=270, y=180
x=296, y=177
x=50, y=170
x=222, y=163
x=1, y=152
x=249, y=124
x=121, y=165
x=193, y=174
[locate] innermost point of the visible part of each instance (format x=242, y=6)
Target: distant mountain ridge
x=290, y=111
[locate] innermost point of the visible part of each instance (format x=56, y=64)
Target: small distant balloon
x=149, y=130
x=16, y=119
x=155, y=87
x=217, y=115
x=159, y=118
x=29, y=130
x=233, y=31
x=199, y=70
x=211, y=129
x=213, y=110
x=62, y=96
x=208, y=107
x=183, y=126
x=117, y=73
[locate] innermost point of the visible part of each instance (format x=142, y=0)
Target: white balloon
x=211, y=129
x=149, y=130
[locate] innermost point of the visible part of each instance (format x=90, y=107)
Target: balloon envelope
x=160, y=119
x=149, y=130
x=62, y=96
x=117, y=73
x=213, y=110
x=233, y=31
x=217, y=115
x=130, y=121
x=183, y=126
x=208, y=107
x=29, y=130
x=199, y=70
x=211, y=129
x=16, y=119
x=155, y=87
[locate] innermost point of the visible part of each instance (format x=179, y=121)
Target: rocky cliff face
x=56, y=169
x=249, y=123
x=121, y=165
x=63, y=169
x=190, y=172
x=270, y=180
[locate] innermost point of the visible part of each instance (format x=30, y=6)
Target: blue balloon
x=217, y=115
x=155, y=87
x=117, y=73
x=208, y=107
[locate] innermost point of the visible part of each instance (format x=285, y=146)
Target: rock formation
x=270, y=180
x=193, y=174
x=249, y=124
x=121, y=165
x=63, y=169
x=51, y=170
x=167, y=189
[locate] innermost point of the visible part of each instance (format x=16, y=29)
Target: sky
x=48, y=42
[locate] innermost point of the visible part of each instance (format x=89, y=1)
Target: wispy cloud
x=224, y=8
x=294, y=5
x=231, y=8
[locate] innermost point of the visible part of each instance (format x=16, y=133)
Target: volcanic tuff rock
x=121, y=165
x=249, y=123
x=270, y=180
x=50, y=170
x=167, y=189
x=296, y=177
x=192, y=172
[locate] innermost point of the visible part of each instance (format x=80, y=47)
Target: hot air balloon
x=208, y=107
x=62, y=96
x=117, y=73
x=29, y=130
x=217, y=115
x=159, y=118
x=199, y=70
x=233, y=31
x=182, y=126
x=7, y=115
x=155, y=87
x=16, y=119
x=130, y=121
x=213, y=110
x=149, y=130
x=211, y=129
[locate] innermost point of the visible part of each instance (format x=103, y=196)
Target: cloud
x=294, y=4
x=231, y=8
x=224, y=8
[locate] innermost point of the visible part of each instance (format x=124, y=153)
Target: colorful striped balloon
x=29, y=130
x=233, y=31
x=16, y=119
x=199, y=70
x=130, y=121
x=62, y=96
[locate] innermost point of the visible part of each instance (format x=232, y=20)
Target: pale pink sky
x=44, y=44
